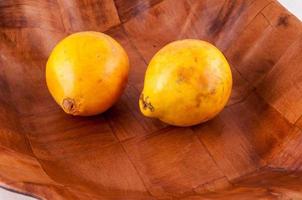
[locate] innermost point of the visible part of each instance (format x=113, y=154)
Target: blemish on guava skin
x=183, y=75
x=146, y=103
x=180, y=79
x=213, y=91
x=198, y=99
x=200, y=96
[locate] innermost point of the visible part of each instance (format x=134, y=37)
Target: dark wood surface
x=252, y=150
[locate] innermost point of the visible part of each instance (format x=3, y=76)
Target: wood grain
x=188, y=162
x=252, y=150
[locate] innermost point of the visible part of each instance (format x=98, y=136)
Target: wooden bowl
x=252, y=150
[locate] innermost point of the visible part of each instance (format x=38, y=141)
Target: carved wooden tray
x=252, y=150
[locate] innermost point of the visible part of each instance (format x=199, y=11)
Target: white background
x=295, y=6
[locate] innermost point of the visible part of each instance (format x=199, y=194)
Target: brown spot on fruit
x=198, y=99
x=199, y=96
x=213, y=91
x=146, y=103
x=184, y=74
